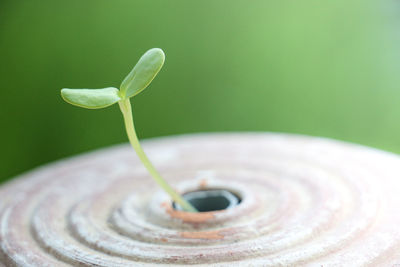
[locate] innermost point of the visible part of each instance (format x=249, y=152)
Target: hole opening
x=210, y=200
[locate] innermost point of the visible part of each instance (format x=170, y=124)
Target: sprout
x=137, y=80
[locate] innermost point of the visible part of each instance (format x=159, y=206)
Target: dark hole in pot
x=210, y=200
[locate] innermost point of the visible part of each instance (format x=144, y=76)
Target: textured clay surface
x=305, y=202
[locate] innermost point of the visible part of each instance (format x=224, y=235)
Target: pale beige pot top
x=305, y=201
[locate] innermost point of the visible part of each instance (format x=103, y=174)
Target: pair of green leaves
x=137, y=80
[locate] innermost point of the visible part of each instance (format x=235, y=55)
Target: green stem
x=126, y=110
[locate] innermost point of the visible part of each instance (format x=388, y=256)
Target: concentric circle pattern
x=305, y=202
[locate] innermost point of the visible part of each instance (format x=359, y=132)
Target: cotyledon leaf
x=91, y=98
x=143, y=73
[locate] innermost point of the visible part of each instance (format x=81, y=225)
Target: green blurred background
x=324, y=68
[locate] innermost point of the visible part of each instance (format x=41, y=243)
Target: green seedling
x=137, y=80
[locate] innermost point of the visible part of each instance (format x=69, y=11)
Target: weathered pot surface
x=304, y=201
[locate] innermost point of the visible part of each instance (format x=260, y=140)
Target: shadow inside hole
x=210, y=200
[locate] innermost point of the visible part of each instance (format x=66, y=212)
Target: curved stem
x=126, y=110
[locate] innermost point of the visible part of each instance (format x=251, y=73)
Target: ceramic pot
x=303, y=201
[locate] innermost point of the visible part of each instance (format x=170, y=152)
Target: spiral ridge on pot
x=305, y=201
